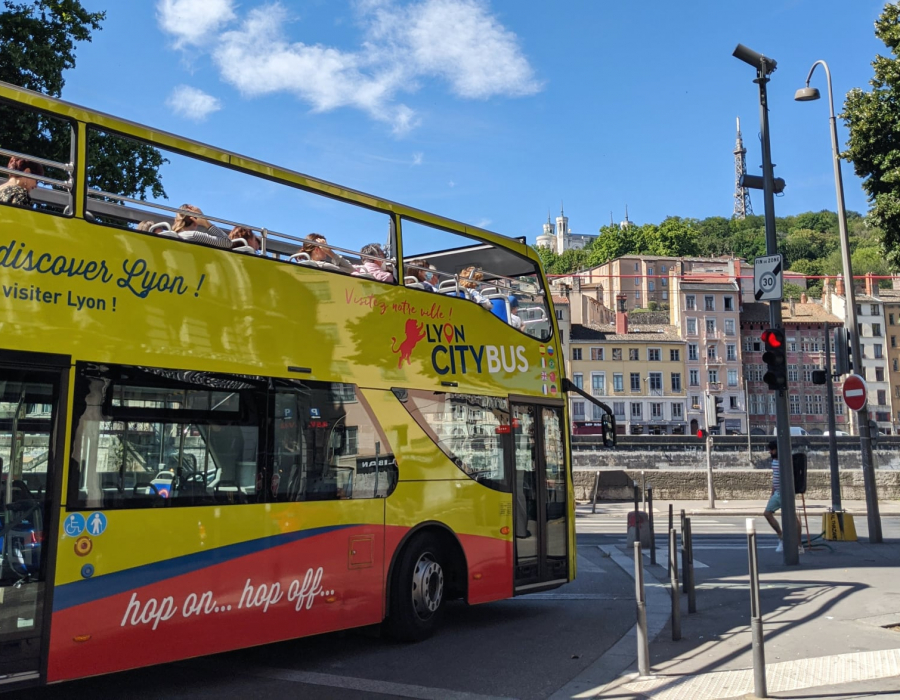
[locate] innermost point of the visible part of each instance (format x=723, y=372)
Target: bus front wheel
x=417, y=591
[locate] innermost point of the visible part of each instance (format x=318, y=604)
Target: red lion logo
x=413, y=335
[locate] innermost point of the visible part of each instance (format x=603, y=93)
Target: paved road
x=525, y=648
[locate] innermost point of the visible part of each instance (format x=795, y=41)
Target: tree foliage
x=873, y=119
x=37, y=45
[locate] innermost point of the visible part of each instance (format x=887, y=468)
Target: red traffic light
x=772, y=338
x=701, y=433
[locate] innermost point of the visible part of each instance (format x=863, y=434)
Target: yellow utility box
x=831, y=526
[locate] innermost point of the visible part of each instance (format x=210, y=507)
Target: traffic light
x=775, y=357
x=714, y=410
x=842, y=363
x=819, y=376
x=701, y=433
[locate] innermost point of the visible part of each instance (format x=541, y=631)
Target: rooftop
x=647, y=333
x=810, y=312
x=560, y=300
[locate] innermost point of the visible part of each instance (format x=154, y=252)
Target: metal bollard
x=690, y=584
x=643, y=645
x=673, y=584
x=594, y=496
x=756, y=627
x=669, y=558
x=650, y=518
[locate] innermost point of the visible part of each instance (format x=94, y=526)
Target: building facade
x=808, y=326
x=891, y=302
x=638, y=372
x=560, y=239
x=707, y=316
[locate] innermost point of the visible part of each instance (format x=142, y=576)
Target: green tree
x=792, y=291
x=37, y=45
x=548, y=258
x=806, y=244
x=674, y=236
x=873, y=119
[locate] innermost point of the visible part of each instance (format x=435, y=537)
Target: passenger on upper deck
x=468, y=280
x=144, y=226
x=419, y=270
x=514, y=319
x=17, y=189
x=373, y=264
x=323, y=254
x=242, y=232
x=198, y=228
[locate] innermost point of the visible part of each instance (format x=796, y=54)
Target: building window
x=809, y=403
x=876, y=330
x=795, y=405
x=793, y=374
x=882, y=416
x=733, y=403
x=665, y=294
x=676, y=381
x=617, y=354
x=598, y=384
x=618, y=383
x=578, y=410
x=711, y=352
x=882, y=397
x=693, y=353
x=713, y=376
x=729, y=326
x=597, y=354
x=838, y=405
x=635, y=381
x=792, y=346
x=695, y=401
x=873, y=310
x=636, y=410
x=576, y=353
x=878, y=350
x=559, y=315
x=891, y=319
x=578, y=378
x=893, y=341
x=859, y=330
x=731, y=353
x=677, y=411
x=654, y=355
x=690, y=303
x=651, y=286
x=709, y=303
x=729, y=303
x=711, y=326
x=649, y=270
x=879, y=374
x=817, y=404
x=675, y=355
x=619, y=409
x=747, y=343
x=692, y=326
x=655, y=381
x=732, y=377
x=634, y=354
x=656, y=411
x=896, y=367
x=694, y=377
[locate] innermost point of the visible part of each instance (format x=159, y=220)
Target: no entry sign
x=855, y=392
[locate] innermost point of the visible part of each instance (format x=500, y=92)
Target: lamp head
x=807, y=94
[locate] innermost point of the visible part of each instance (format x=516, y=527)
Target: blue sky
x=487, y=112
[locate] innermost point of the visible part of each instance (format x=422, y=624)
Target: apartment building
x=638, y=371
x=706, y=312
x=871, y=326
x=808, y=326
x=891, y=302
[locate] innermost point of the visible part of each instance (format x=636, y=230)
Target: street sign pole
x=791, y=536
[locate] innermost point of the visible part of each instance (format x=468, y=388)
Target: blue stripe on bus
x=89, y=590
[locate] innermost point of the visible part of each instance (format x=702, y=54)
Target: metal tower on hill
x=742, y=206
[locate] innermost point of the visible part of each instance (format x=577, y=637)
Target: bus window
x=146, y=437
x=274, y=219
x=473, y=431
x=327, y=445
x=506, y=284
x=42, y=145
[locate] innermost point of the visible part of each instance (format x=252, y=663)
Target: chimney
x=839, y=286
x=803, y=298
x=621, y=315
x=871, y=285
x=868, y=284
x=895, y=282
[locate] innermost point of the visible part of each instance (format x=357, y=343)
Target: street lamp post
x=807, y=94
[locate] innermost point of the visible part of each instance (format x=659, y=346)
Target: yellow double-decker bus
x=218, y=430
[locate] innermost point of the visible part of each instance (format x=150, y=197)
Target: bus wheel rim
x=427, y=586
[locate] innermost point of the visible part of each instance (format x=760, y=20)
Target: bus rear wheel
x=417, y=591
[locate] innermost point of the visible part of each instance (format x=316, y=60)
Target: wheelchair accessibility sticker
x=96, y=524
x=74, y=524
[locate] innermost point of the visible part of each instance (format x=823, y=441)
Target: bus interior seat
x=413, y=282
x=300, y=258
x=499, y=308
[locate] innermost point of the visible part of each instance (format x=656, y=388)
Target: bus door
x=29, y=427
x=540, y=506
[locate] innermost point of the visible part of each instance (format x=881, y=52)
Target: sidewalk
x=725, y=508
x=832, y=627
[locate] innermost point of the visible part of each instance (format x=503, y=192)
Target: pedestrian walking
x=774, y=504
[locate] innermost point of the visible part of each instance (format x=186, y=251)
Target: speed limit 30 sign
x=767, y=278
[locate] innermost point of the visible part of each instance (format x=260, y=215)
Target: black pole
x=689, y=582
x=756, y=627
x=643, y=646
x=673, y=584
x=671, y=524
x=832, y=428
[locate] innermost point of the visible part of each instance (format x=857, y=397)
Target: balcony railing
x=715, y=386
x=712, y=334
x=715, y=360
x=598, y=391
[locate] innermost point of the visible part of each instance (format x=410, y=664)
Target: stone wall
x=730, y=484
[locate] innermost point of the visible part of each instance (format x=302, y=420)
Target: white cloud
x=483, y=223
x=194, y=22
x=451, y=184
x=418, y=157
x=456, y=41
x=192, y=103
